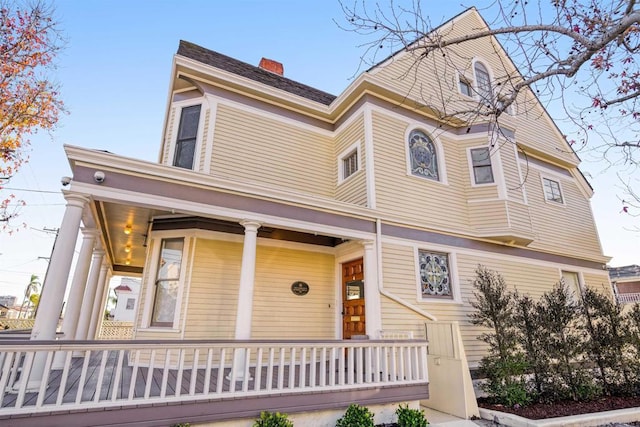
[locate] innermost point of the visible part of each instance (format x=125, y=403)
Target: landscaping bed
x=565, y=408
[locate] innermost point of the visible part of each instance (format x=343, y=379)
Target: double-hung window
x=481, y=164
x=167, y=283
x=483, y=83
x=350, y=164
x=187, y=137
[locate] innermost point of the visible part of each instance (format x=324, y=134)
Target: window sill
x=440, y=301
x=349, y=178
x=164, y=330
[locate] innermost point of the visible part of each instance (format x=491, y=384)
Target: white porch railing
x=628, y=298
x=98, y=374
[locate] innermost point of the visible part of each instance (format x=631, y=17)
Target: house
x=626, y=283
x=291, y=242
x=127, y=299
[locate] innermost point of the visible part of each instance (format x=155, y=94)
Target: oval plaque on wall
x=300, y=288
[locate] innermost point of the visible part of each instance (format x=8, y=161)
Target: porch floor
x=116, y=386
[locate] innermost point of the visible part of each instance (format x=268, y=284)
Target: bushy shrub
x=356, y=416
x=408, y=417
x=272, y=419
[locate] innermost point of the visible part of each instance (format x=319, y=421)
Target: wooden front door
x=353, y=320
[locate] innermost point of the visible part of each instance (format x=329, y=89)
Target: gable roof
x=226, y=63
x=624, y=271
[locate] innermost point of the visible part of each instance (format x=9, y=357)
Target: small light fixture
x=127, y=229
x=127, y=262
x=127, y=248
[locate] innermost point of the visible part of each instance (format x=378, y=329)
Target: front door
x=353, y=321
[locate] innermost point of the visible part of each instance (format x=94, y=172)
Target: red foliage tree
x=29, y=41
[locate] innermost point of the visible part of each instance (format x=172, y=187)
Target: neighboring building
x=279, y=212
x=626, y=283
x=127, y=293
x=8, y=300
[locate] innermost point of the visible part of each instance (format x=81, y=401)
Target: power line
x=31, y=191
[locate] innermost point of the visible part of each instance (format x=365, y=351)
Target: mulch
x=565, y=408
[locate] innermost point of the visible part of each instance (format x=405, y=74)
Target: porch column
x=247, y=279
x=55, y=282
x=89, y=295
x=74, y=302
x=244, y=311
x=372, y=310
x=99, y=304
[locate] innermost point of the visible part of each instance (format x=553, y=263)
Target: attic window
x=483, y=82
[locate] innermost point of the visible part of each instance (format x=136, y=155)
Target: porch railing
x=628, y=298
x=93, y=374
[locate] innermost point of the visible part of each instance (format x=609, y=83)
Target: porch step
x=440, y=419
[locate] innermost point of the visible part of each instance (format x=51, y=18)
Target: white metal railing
x=628, y=298
x=68, y=375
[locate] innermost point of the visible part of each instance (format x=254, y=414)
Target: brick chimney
x=272, y=66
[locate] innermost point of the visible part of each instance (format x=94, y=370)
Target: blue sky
x=114, y=75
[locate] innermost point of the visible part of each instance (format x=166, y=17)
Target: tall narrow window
x=465, y=87
x=167, y=282
x=552, y=190
x=572, y=283
x=481, y=163
x=187, y=136
x=423, y=156
x=483, y=83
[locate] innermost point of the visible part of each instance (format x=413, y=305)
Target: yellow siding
x=514, y=184
x=278, y=312
x=253, y=148
x=425, y=84
x=489, y=215
x=400, y=280
x=412, y=198
x=598, y=282
x=354, y=189
x=213, y=291
x=567, y=229
x=203, y=139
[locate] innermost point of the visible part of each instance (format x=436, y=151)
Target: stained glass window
x=435, y=278
x=423, y=155
x=167, y=282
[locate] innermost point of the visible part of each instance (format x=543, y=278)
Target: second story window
x=465, y=87
x=483, y=83
x=552, y=190
x=187, y=137
x=423, y=156
x=350, y=164
x=481, y=164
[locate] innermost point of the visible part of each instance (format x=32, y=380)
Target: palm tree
x=32, y=289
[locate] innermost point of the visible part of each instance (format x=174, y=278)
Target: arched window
x=483, y=82
x=423, y=155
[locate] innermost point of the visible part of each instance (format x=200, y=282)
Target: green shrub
x=408, y=417
x=356, y=416
x=272, y=419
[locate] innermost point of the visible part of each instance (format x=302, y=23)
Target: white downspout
x=387, y=294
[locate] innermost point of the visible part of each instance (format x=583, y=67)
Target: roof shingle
x=226, y=63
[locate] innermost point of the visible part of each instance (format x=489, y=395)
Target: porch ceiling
x=126, y=251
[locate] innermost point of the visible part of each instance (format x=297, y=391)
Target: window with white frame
x=423, y=156
x=349, y=162
x=131, y=303
x=481, y=165
x=483, y=82
x=465, y=87
x=552, y=191
x=187, y=137
x=571, y=281
x=167, y=284
x=435, y=275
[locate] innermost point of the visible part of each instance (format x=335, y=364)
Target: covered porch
x=194, y=381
